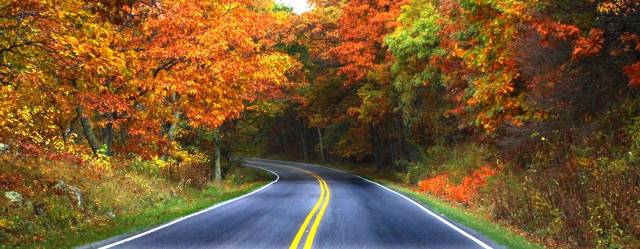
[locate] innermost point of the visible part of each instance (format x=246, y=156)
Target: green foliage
x=415, y=171
x=457, y=161
x=151, y=167
x=412, y=44
x=634, y=134
x=417, y=37
x=277, y=7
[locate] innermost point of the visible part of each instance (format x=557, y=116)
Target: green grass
x=161, y=213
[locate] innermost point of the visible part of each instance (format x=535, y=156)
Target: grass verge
x=161, y=213
x=116, y=202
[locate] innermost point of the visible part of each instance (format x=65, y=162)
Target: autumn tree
x=207, y=59
x=65, y=53
x=130, y=70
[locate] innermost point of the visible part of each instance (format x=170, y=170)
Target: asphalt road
x=309, y=207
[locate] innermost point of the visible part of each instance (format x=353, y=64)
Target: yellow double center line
x=317, y=212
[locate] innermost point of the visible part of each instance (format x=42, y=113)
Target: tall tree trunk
x=176, y=116
x=304, y=142
x=171, y=133
x=107, y=133
x=87, y=129
x=321, y=144
x=216, y=165
x=378, y=151
x=107, y=137
x=66, y=129
x=280, y=124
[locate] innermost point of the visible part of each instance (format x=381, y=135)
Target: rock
x=75, y=192
x=39, y=208
x=4, y=147
x=14, y=197
x=60, y=186
x=77, y=195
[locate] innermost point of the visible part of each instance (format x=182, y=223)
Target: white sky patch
x=299, y=6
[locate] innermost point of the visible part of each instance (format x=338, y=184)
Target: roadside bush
x=586, y=201
x=464, y=192
x=48, y=213
x=415, y=171
x=240, y=175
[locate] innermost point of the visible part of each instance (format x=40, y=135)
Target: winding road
x=308, y=206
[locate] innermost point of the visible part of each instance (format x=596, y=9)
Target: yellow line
x=312, y=234
x=303, y=227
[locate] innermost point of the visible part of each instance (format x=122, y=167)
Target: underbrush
x=586, y=200
x=456, y=161
x=65, y=203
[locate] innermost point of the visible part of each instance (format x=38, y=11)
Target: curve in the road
x=423, y=208
x=354, y=213
x=324, y=198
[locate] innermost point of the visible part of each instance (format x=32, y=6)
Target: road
x=309, y=207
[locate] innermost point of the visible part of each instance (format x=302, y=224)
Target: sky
x=299, y=6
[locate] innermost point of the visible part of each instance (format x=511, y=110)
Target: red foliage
x=588, y=46
x=440, y=185
x=437, y=185
x=553, y=30
x=633, y=71
x=362, y=29
x=29, y=148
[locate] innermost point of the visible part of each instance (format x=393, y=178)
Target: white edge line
x=194, y=214
x=454, y=227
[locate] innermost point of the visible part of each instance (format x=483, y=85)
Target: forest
x=523, y=111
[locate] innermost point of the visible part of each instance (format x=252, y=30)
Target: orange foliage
x=363, y=27
x=633, y=70
x=588, y=46
x=482, y=70
x=440, y=185
x=549, y=29
x=134, y=68
x=585, y=46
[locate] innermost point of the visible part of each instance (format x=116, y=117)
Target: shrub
x=464, y=192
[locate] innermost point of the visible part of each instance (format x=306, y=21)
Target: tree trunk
x=174, y=124
x=107, y=133
x=107, y=137
x=87, y=129
x=321, y=144
x=304, y=142
x=176, y=117
x=280, y=125
x=378, y=151
x=216, y=166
